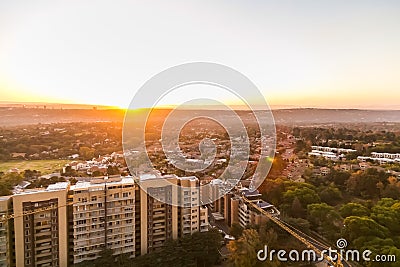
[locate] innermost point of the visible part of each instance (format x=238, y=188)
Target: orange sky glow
x=335, y=54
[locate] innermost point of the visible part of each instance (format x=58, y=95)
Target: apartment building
x=159, y=220
x=66, y=224
x=6, y=228
x=41, y=238
x=231, y=202
x=385, y=155
x=192, y=215
x=103, y=216
x=233, y=209
x=246, y=215
x=183, y=214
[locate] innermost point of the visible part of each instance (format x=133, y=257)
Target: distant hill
x=23, y=116
x=44, y=105
x=13, y=116
x=289, y=116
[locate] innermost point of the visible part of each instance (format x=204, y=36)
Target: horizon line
x=82, y=106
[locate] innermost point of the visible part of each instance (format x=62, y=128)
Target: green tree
x=112, y=170
x=387, y=213
x=306, y=194
x=236, y=230
x=272, y=190
x=357, y=229
x=325, y=219
x=366, y=184
x=353, y=209
x=338, y=177
x=330, y=194
x=243, y=252
x=8, y=181
x=297, y=210
x=4, y=190
x=199, y=249
x=86, y=153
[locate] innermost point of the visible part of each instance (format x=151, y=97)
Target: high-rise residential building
x=159, y=221
x=234, y=209
x=183, y=215
x=6, y=229
x=230, y=201
x=103, y=216
x=41, y=238
x=64, y=225
x=245, y=214
x=192, y=215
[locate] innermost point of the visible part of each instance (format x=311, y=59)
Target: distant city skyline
x=336, y=54
x=55, y=105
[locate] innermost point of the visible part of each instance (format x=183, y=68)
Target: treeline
x=365, y=226
x=8, y=181
x=198, y=249
x=11, y=179
x=362, y=206
x=323, y=134
x=60, y=140
x=364, y=141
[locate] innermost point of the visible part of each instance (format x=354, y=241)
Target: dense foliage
x=60, y=140
x=199, y=249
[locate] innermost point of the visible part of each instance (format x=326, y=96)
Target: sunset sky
x=336, y=54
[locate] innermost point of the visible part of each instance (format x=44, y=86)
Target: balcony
x=44, y=245
x=42, y=231
x=43, y=238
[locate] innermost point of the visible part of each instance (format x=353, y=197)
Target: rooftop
x=263, y=204
x=247, y=193
x=98, y=182
x=191, y=178
x=58, y=186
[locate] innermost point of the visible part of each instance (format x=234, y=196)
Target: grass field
x=44, y=166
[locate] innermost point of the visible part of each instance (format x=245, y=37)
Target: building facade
x=103, y=216
x=6, y=229
x=41, y=238
x=183, y=215
x=67, y=224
